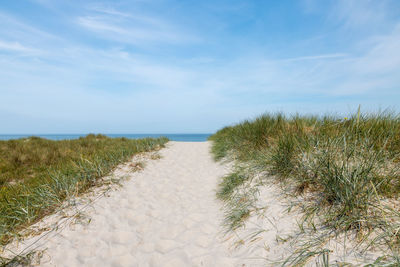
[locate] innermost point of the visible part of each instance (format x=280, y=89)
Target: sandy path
x=165, y=215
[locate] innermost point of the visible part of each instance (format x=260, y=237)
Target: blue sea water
x=172, y=137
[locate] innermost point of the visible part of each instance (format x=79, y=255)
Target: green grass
x=229, y=183
x=37, y=175
x=351, y=167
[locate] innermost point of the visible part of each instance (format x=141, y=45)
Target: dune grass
x=350, y=167
x=37, y=175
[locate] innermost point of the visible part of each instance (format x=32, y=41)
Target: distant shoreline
x=200, y=137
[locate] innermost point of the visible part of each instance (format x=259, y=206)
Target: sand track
x=165, y=215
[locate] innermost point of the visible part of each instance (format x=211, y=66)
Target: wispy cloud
x=315, y=57
x=100, y=24
x=132, y=28
x=356, y=14
x=15, y=47
x=108, y=10
x=137, y=66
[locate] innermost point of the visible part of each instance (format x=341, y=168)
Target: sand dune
x=165, y=215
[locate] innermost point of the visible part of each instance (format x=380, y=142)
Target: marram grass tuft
x=351, y=167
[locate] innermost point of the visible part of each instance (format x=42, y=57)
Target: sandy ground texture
x=167, y=214
x=164, y=215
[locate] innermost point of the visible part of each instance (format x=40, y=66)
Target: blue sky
x=166, y=66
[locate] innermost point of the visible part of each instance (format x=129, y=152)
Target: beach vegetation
x=346, y=170
x=37, y=175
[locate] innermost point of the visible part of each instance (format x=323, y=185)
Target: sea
x=173, y=137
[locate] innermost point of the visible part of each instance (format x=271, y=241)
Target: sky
x=189, y=66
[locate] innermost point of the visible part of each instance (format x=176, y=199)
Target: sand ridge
x=165, y=215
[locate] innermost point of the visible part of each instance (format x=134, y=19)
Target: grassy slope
x=350, y=166
x=36, y=174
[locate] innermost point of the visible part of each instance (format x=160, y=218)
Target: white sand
x=165, y=215
x=168, y=215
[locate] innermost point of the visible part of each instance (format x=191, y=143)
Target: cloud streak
x=127, y=28
x=15, y=47
x=315, y=57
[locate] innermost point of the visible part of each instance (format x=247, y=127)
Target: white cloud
x=18, y=30
x=356, y=14
x=99, y=24
x=132, y=28
x=315, y=57
x=15, y=47
x=108, y=10
x=72, y=80
x=383, y=56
